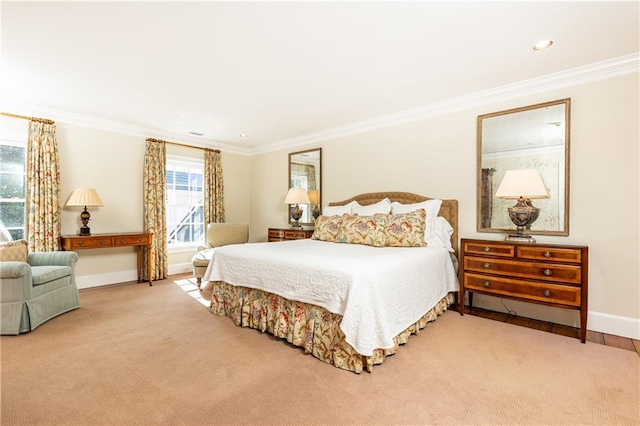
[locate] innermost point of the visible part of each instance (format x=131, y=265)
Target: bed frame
x=448, y=210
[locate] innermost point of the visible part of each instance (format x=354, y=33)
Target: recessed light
x=242, y=135
x=543, y=44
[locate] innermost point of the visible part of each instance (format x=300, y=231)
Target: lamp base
x=85, y=231
x=520, y=239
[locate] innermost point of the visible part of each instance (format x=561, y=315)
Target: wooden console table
x=140, y=240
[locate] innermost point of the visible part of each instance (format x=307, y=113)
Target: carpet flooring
x=139, y=355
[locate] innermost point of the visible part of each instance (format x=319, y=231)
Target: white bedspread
x=378, y=291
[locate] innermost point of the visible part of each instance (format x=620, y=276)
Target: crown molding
x=71, y=118
x=598, y=71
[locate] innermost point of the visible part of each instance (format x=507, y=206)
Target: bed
x=349, y=305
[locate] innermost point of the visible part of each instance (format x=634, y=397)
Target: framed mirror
x=305, y=171
x=533, y=137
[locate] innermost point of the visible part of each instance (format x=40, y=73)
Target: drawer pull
x=80, y=243
x=487, y=249
x=122, y=241
x=547, y=272
x=103, y=242
x=487, y=283
x=547, y=293
x=486, y=265
x=547, y=254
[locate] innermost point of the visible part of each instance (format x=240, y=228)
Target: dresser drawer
x=556, y=254
x=482, y=248
x=91, y=242
x=538, y=271
x=542, y=292
x=295, y=235
x=276, y=233
x=132, y=240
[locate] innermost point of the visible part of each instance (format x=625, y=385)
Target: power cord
x=510, y=312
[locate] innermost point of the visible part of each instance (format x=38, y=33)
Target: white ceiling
x=282, y=71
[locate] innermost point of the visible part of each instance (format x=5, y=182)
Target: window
x=12, y=186
x=185, y=215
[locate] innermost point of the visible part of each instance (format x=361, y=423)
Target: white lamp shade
x=84, y=197
x=314, y=196
x=525, y=183
x=297, y=196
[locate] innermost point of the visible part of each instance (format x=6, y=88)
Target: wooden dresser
x=284, y=234
x=548, y=274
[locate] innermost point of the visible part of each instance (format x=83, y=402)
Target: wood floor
x=592, y=336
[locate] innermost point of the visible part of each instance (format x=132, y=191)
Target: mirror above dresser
x=532, y=137
x=305, y=171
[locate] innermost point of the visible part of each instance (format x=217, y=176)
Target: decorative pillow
x=381, y=207
x=337, y=210
x=367, y=230
x=432, y=207
x=442, y=234
x=327, y=228
x=13, y=251
x=406, y=229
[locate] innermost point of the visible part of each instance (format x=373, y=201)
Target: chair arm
x=53, y=258
x=15, y=270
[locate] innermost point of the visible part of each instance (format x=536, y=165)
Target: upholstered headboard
x=448, y=210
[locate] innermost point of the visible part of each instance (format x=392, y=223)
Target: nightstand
x=547, y=274
x=284, y=234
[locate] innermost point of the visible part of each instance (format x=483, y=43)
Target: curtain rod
x=24, y=117
x=181, y=144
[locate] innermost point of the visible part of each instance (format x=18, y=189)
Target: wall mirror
x=532, y=137
x=305, y=171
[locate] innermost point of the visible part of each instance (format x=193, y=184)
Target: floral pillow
x=367, y=230
x=327, y=228
x=406, y=229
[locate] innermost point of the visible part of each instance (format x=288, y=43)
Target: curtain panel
x=154, y=209
x=213, y=187
x=42, y=188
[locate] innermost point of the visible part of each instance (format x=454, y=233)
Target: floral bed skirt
x=311, y=327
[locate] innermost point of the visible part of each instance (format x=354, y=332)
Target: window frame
x=17, y=139
x=173, y=161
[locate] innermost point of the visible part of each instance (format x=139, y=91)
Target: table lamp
x=84, y=197
x=522, y=185
x=296, y=196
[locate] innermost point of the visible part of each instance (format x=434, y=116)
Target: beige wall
x=112, y=164
x=437, y=157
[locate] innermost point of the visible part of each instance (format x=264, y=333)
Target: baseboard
x=596, y=321
x=97, y=280
x=614, y=324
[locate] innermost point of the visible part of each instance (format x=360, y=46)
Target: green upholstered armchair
x=217, y=235
x=34, y=287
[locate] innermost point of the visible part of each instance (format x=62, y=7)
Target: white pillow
x=432, y=207
x=442, y=234
x=382, y=206
x=337, y=210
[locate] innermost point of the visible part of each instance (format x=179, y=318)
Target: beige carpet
x=135, y=354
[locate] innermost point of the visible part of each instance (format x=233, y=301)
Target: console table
x=140, y=240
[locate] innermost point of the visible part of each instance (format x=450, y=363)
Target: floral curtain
x=42, y=187
x=154, y=210
x=213, y=187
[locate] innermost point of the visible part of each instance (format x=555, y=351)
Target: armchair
x=217, y=235
x=34, y=287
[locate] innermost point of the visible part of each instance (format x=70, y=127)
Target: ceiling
x=279, y=72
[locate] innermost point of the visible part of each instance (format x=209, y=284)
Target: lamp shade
x=84, y=197
x=297, y=196
x=525, y=183
x=314, y=196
